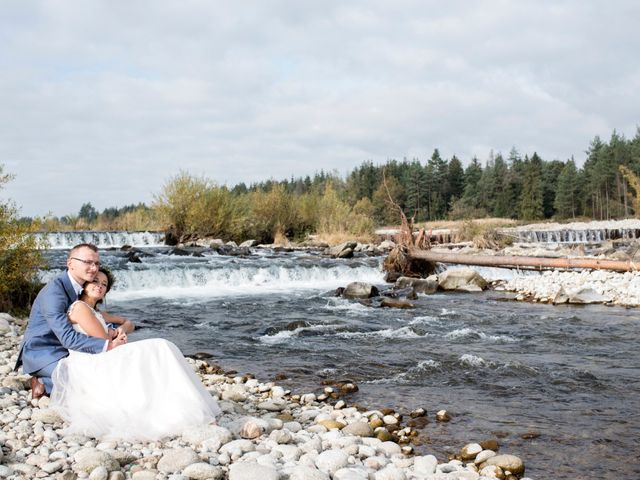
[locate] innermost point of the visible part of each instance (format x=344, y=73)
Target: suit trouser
x=44, y=374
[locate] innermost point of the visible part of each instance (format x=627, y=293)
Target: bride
x=142, y=390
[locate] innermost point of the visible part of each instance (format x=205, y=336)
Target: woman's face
x=98, y=288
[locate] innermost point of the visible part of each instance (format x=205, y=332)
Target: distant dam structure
x=576, y=233
x=115, y=239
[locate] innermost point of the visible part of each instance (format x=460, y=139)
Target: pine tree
x=565, y=201
x=531, y=197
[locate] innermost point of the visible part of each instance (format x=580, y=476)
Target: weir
x=571, y=236
x=115, y=239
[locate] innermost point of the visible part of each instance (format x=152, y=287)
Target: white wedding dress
x=142, y=390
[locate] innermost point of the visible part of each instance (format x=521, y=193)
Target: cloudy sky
x=104, y=101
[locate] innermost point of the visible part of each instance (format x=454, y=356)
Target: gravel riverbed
x=265, y=432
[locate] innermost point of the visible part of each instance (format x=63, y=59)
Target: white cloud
x=103, y=101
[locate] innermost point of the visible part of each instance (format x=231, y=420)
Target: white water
x=66, y=240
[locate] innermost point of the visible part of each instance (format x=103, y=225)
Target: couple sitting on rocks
x=100, y=384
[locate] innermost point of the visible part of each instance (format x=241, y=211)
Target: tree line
x=522, y=187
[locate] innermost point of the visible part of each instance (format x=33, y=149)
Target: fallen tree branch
x=511, y=261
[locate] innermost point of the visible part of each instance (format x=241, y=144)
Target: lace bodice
x=96, y=313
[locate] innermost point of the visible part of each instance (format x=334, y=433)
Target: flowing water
x=566, y=378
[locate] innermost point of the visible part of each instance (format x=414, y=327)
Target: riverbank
x=264, y=432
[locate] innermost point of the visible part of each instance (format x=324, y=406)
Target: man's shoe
x=37, y=388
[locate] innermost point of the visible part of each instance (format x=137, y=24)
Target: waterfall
x=66, y=240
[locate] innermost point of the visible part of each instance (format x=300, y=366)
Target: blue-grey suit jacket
x=50, y=335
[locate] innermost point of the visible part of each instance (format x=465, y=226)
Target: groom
x=50, y=335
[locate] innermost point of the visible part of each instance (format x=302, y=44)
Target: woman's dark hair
x=110, y=281
x=110, y=278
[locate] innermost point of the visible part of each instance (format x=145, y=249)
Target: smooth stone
x=331, y=461
x=469, y=451
x=396, y=303
x=276, y=405
x=507, y=462
x=443, y=416
x=351, y=473
x=116, y=476
x=87, y=459
x=252, y=471
x=390, y=420
x=389, y=448
x=235, y=393
x=52, y=467
x=483, y=456
x=7, y=472
x=461, y=279
x=304, y=472
x=390, y=472
x=331, y=424
x=177, y=459
x=425, y=464
x=144, y=475
x=203, y=471
x=360, y=290
x=211, y=433
x=45, y=415
x=99, y=473
x=359, y=429
x=251, y=430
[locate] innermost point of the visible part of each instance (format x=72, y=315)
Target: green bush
x=20, y=258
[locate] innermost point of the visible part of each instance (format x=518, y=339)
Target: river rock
x=588, y=295
x=419, y=285
x=177, y=459
x=469, y=451
x=331, y=461
x=483, y=456
x=359, y=429
x=351, y=473
x=461, y=279
x=336, y=250
x=251, y=429
x=360, y=290
x=252, y=471
x=5, y=322
x=210, y=433
x=45, y=415
x=203, y=471
x=87, y=459
x=396, y=303
x=305, y=472
x=507, y=462
x=425, y=465
x=99, y=473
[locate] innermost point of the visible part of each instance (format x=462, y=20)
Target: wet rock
x=419, y=285
x=507, y=462
x=418, y=412
x=336, y=250
x=490, y=444
x=461, y=279
x=360, y=290
x=469, y=451
x=396, y=303
x=443, y=416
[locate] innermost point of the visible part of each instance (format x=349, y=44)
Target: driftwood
x=511, y=261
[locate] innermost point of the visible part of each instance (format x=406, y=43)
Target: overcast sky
x=104, y=101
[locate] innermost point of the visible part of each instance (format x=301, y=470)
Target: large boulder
x=360, y=290
x=462, y=279
x=340, y=250
x=427, y=285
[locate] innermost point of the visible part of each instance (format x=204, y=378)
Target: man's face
x=83, y=265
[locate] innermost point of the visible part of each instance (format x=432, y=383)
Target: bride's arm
x=126, y=325
x=82, y=315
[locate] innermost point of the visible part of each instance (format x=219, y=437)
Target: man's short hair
x=90, y=246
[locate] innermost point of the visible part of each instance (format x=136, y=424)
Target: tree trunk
x=511, y=261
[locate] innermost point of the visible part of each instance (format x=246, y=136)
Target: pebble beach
x=265, y=432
